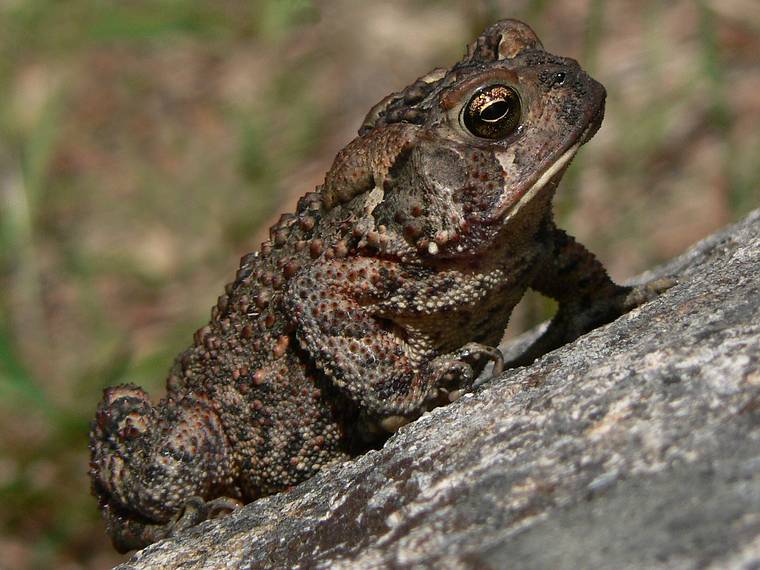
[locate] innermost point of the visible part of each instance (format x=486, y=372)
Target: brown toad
x=385, y=291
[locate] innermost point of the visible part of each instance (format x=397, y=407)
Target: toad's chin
x=549, y=179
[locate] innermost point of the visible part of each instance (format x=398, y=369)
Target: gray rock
x=637, y=446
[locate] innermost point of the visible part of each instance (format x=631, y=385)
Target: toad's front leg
x=587, y=297
x=375, y=350
x=151, y=466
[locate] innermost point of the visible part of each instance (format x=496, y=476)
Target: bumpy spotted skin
x=381, y=296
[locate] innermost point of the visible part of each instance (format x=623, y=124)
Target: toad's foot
x=574, y=319
x=640, y=294
x=458, y=371
x=196, y=510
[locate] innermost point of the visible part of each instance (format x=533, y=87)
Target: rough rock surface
x=637, y=446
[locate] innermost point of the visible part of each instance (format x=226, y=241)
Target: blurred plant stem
x=23, y=173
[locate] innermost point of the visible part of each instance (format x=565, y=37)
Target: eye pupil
x=492, y=112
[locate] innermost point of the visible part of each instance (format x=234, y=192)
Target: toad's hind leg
x=147, y=462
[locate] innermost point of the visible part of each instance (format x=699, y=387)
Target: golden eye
x=493, y=112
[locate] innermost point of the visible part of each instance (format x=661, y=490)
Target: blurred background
x=146, y=145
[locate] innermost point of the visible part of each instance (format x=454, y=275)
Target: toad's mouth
x=549, y=179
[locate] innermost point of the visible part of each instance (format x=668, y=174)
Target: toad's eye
x=493, y=112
